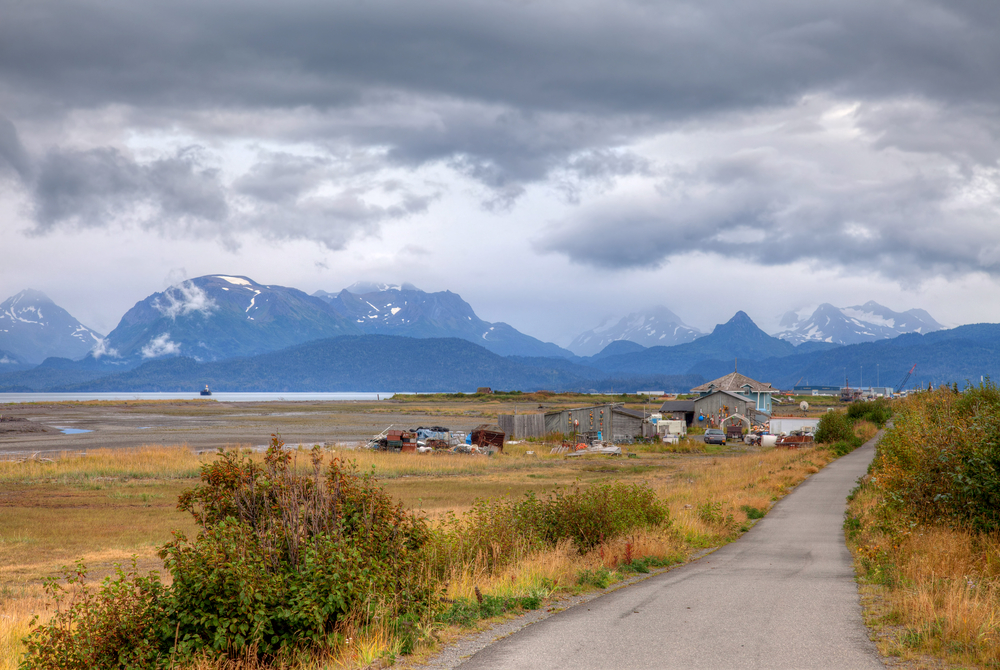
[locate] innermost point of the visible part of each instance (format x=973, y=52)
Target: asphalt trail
x=782, y=596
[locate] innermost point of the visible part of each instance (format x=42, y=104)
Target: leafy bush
x=497, y=532
x=877, y=411
x=283, y=557
x=117, y=626
x=941, y=460
x=281, y=560
x=835, y=427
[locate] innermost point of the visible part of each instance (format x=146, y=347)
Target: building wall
x=625, y=425
x=597, y=418
x=520, y=426
x=711, y=404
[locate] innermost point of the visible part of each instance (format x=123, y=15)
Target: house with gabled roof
x=741, y=385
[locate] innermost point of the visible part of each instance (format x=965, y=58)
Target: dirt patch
x=18, y=425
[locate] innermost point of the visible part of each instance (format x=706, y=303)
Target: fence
x=520, y=426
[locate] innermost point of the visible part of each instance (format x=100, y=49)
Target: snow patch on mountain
x=33, y=328
x=239, y=281
x=654, y=327
x=855, y=324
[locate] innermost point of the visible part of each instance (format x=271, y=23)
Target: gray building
x=614, y=422
x=712, y=409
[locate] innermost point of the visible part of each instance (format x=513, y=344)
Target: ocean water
x=221, y=396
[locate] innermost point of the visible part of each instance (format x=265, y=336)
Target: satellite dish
x=803, y=405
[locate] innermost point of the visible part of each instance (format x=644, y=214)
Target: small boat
x=206, y=390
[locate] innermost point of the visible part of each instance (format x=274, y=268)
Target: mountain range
x=654, y=327
x=236, y=334
x=852, y=325
x=383, y=309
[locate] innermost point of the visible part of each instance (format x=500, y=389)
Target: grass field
x=109, y=505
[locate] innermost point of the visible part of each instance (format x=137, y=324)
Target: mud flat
x=29, y=428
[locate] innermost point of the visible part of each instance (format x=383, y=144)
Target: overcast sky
x=552, y=162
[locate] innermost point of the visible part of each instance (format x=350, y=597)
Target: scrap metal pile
x=484, y=439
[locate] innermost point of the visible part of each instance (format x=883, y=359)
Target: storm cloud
x=614, y=136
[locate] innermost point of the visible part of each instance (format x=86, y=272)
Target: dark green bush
x=877, y=411
x=844, y=447
x=496, y=532
x=281, y=559
x=119, y=625
x=835, y=427
x=753, y=512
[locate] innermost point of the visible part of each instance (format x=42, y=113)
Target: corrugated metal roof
x=677, y=406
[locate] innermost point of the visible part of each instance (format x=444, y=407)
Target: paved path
x=783, y=596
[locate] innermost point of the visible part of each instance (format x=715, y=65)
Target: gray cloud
x=772, y=209
x=508, y=91
x=12, y=153
x=513, y=95
x=99, y=187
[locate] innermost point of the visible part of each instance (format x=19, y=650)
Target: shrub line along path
x=782, y=596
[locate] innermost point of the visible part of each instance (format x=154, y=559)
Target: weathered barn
x=718, y=406
x=614, y=422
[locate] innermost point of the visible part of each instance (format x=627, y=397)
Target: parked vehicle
x=714, y=436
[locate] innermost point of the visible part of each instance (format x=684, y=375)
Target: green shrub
x=120, y=625
x=835, y=427
x=283, y=557
x=497, y=532
x=877, y=411
x=941, y=460
x=753, y=512
x=280, y=560
x=601, y=578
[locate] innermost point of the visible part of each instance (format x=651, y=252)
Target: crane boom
x=906, y=378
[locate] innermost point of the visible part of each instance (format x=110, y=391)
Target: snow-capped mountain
x=852, y=325
x=220, y=316
x=656, y=327
x=33, y=328
x=405, y=310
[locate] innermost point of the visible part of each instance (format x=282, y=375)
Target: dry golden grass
x=936, y=592
x=154, y=461
x=110, y=505
x=865, y=429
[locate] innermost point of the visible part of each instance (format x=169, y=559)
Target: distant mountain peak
x=34, y=328
x=852, y=325
x=219, y=316
x=363, y=287
x=406, y=311
x=656, y=326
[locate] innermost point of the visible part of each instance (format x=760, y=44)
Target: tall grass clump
x=925, y=525
x=497, y=532
x=282, y=563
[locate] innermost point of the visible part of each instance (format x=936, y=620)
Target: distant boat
x=206, y=390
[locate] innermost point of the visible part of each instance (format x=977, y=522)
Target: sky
x=555, y=163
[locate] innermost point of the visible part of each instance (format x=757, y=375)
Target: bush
x=941, y=461
x=497, y=532
x=877, y=411
x=284, y=557
x=835, y=427
x=118, y=626
x=280, y=561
